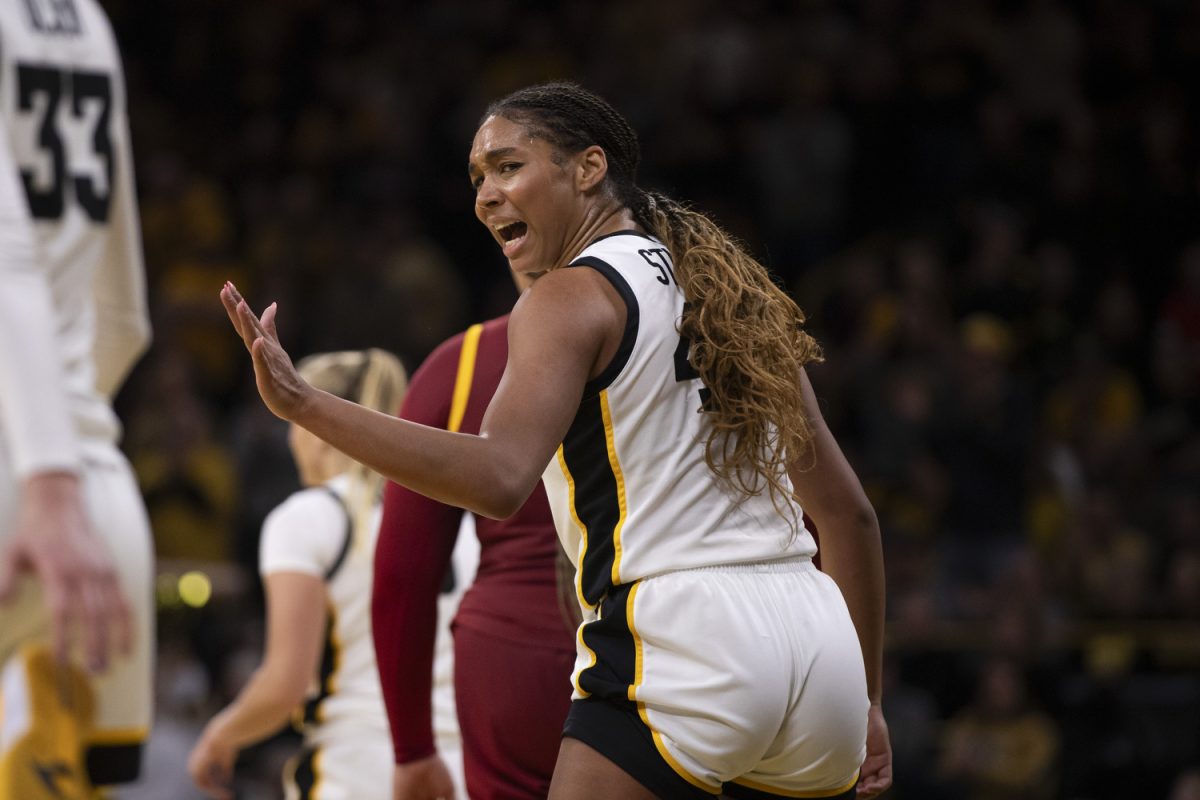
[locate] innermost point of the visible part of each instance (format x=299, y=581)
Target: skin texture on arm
x=851, y=553
x=561, y=333
x=295, y=623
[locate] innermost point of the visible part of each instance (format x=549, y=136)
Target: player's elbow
x=291, y=691
x=504, y=496
x=862, y=514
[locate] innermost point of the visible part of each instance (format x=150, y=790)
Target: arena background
x=988, y=209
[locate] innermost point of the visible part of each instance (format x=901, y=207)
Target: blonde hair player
x=656, y=381
x=318, y=668
x=76, y=558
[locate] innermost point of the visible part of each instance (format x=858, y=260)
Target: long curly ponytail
x=747, y=339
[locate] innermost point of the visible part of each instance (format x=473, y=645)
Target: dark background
x=988, y=208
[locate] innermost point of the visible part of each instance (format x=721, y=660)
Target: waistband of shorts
x=786, y=564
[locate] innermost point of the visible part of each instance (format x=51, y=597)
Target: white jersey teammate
x=76, y=557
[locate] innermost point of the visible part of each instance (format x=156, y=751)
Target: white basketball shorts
x=744, y=678
x=120, y=720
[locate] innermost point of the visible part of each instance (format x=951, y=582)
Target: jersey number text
x=81, y=89
x=659, y=258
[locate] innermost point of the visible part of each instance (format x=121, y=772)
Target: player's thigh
x=582, y=773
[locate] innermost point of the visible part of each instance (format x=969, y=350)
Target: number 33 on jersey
x=60, y=111
x=68, y=212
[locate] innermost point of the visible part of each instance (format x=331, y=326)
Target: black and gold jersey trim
x=331, y=658
x=589, y=459
x=628, y=338
x=347, y=536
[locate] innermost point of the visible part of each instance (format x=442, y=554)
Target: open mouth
x=512, y=231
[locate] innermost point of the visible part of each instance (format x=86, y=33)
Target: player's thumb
x=268, y=320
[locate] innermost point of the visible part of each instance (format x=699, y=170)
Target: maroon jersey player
x=513, y=649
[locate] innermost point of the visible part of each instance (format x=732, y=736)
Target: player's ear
x=591, y=168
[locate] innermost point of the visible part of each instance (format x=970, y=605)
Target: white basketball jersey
x=629, y=488
x=69, y=227
x=310, y=533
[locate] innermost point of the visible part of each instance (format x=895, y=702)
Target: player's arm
x=295, y=623
x=52, y=536
x=412, y=554
x=122, y=309
x=556, y=334
x=416, y=540
x=852, y=554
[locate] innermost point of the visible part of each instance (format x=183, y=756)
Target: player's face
x=526, y=198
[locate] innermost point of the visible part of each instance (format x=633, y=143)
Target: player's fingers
x=872, y=784
x=253, y=326
x=268, y=321
x=230, y=301
x=62, y=603
x=220, y=781
x=96, y=617
x=233, y=292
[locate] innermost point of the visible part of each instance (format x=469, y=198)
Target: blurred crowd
x=989, y=209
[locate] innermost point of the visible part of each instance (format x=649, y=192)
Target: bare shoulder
x=569, y=299
x=572, y=315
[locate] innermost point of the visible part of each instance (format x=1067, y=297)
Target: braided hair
x=746, y=334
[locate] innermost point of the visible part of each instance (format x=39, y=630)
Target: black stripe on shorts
x=109, y=764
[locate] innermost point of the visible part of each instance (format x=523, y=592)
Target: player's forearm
x=264, y=706
x=851, y=554
x=462, y=470
x=411, y=556
x=404, y=619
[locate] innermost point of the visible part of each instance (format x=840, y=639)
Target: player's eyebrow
x=490, y=156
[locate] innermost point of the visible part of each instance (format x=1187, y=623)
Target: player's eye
x=508, y=167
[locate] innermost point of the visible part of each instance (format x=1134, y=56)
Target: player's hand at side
x=281, y=387
x=875, y=777
x=426, y=779
x=53, y=540
x=211, y=766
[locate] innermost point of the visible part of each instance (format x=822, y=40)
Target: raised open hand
x=281, y=387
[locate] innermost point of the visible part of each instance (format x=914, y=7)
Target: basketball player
x=76, y=627
x=510, y=622
x=656, y=377
x=319, y=664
